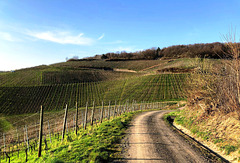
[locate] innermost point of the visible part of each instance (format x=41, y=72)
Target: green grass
x=229, y=148
x=4, y=125
x=96, y=144
x=194, y=127
x=217, y=141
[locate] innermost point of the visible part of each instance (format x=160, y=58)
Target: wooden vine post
x=114, y=111
x=27, y=138
x=118, y=109
x=121, y=109
x=40, y=133
x=132, y=107
x=85, y=119
x=76, y=120
x=17, y=137
x=101, y=115
x=125, y=108
x=4, y=141
x=64, y=122
x=24, y=135
x=109, y=109
x=92, y=116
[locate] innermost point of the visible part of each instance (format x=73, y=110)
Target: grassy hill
x=162, y=87
x=72, y=72
x=23, y=91
x=129, y=64
x=87, y=71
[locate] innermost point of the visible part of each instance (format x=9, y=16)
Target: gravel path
x=149, y=139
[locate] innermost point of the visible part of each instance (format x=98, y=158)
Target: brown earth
x=176, y=70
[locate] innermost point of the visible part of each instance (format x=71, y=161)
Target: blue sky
x=35, y=32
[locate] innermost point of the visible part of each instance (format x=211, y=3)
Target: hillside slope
x=162, y=87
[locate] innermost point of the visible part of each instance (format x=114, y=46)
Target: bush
x=229, y=149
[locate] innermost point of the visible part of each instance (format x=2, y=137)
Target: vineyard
x=72, y=72
x=27, y=99
x=42, y=78
x=86, y=71
x=22, y=143
x=94, y=85
x=73, y=76
x=131, y=65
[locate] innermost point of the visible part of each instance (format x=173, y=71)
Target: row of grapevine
x=28, y=132
x=43, y=77
x=19, y=100
x=21, y=78
x=131, y=64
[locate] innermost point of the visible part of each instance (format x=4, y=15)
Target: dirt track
x=151, y=140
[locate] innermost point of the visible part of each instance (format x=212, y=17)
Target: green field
x=27, y=99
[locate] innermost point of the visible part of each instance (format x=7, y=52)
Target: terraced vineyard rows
x=40, y=78
x=21, y=78
x=72, y=72
x=132, y=65
x=79, y=76
x=19, y=100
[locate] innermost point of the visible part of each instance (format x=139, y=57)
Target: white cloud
x=127, y=49
x=101, y=37
x=8, y=37
x=62, y=37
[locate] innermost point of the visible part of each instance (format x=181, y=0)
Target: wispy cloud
x=8, y=37
x=101, y=37
x=62, y=37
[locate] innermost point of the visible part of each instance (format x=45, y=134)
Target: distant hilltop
x=214, y=50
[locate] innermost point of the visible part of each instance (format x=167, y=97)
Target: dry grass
x=214, y=99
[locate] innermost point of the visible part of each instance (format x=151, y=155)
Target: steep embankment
x=219, y=132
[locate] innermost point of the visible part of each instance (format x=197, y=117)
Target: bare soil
x=124, y=70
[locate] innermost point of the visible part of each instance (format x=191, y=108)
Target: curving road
x=151, y=140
